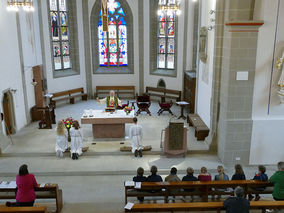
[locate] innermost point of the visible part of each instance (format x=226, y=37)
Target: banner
x=104, y=15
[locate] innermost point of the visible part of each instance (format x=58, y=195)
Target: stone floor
x=94, y=183
x=32, y=140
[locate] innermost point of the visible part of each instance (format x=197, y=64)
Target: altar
x=107, y=124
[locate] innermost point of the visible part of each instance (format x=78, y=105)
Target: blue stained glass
x=121, y=12
x=123, y=59
x=122, y=31
x=123, y=45
x=103, y=46
x=113, y=47
x=112, y=6
x=122, y=21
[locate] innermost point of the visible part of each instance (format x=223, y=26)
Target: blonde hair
x=60, y=128
x=203, y=170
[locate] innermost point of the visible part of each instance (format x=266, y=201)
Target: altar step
x=91, y=153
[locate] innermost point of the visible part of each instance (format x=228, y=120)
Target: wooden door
x=7, y=115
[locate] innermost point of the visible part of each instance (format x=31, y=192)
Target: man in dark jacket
x=154, y=177
x=140, y=178
x=237, y=204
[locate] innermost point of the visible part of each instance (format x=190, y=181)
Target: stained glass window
x=166, y=38
x=60, y=34
x=113, y=45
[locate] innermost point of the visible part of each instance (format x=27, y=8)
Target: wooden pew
x=164, y=93
x=119, y=90
x=201, y=206
x=68, y=95
x=34, y=209
x=49, y=191
x=202, y=188
x=201, y=130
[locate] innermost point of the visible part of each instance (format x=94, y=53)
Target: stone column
x=236, y=91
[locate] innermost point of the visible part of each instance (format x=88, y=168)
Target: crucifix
x=104, y=15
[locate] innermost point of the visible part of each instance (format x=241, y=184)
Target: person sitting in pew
x=239, y=173
x=189, y=177
x=204, y=175
x=221, y=176
x=260, y=176
x=140, y=178
x=26, y=183
x=237, y=204
x=172, y=177
x=154, y=177
x=278, y=179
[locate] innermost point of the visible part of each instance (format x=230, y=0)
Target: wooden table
x=182, y=104
x=106, y=124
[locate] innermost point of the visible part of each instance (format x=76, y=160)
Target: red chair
x=165, y=106
x=143, y=102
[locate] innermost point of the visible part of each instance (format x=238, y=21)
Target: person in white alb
x=76, y=141
x=61, y=139
x=136, y=135
x=111, y=101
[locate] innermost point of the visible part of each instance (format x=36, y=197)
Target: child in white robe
x=76, y=141
x=136, y=135
x=61, y=139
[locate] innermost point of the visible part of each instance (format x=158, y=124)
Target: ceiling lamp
x=15, y=5
x=169, y=6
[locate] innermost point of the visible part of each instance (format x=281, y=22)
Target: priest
x=111, y=101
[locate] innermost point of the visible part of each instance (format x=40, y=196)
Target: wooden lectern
x=175, y=142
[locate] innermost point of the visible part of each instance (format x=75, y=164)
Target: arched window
x=113, y=45
x=59, y=21
x=166, y=38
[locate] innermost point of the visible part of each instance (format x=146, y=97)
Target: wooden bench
x=68, y=95
x=164, y=93
x=120, y=91
x=202, y=188
x=34, y=209
x=201, y=206
x=201, y=130
x=49, y=191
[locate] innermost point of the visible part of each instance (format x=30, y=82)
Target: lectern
x=175, y=141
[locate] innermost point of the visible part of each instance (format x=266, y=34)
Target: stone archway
x=9, y=113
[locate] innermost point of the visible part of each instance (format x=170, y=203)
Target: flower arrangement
x=127, y=110
x=68, y=123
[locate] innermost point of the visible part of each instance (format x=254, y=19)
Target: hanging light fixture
x=15, y=5
x=169, y=6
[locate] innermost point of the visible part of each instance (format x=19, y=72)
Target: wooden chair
x=165, y=106
x=143, y=103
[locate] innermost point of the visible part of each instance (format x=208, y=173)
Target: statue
x=279, y=64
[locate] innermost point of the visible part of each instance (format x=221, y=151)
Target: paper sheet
x=12, y=185
x=129, y=183
x=42, y=185
x=137, y=185
x=3, y=184
x=129, y=206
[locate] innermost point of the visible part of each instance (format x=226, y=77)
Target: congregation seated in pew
x=205, y=176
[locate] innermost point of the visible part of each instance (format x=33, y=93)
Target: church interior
x=176, y=85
